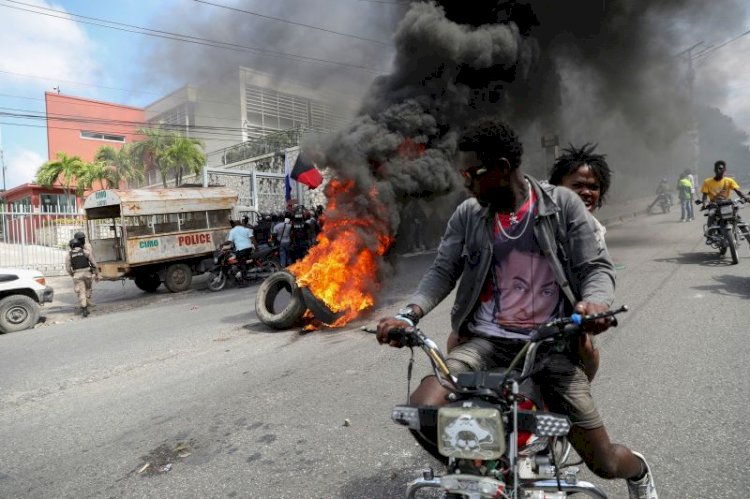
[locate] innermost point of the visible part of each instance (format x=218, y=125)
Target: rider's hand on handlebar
x=386, y=325
x=588, y=308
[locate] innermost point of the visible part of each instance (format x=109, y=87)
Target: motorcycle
x=664, y=200
x=260, y=264
x=724, y=227
x=493, y=435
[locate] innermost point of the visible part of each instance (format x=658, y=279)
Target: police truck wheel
x=18, y=312
x=148, y=282
x=178, y=278
x=265, y=301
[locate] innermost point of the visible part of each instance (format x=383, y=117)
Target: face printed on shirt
x=529, y=294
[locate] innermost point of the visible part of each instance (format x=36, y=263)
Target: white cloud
x=37, y=44
x=21, y=166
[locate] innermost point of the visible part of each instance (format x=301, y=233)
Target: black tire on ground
x=18, y=312
x=267, y=293
x=178, y=278
x=731, y=244
x=148, y=282
x=217, y=280
x=319, y=309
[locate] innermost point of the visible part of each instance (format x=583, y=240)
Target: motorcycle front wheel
x=217, y=280
x=728, y=235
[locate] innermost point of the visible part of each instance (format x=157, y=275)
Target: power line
x=390, y=2
x=294, y=23
x=712, y=49
x=30, y=115
x=231, y=138
x=183, y=38
x=98, y=105
x=78, y=82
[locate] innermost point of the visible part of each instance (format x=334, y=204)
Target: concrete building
x=79, y=127
x=246, y=105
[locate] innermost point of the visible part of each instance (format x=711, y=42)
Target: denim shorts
x=565, y=387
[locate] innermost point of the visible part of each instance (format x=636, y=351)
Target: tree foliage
x=66, y=170
x=170, y=153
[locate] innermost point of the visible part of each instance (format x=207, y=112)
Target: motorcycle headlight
x=470, y=433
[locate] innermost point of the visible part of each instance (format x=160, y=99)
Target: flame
x=342, y=269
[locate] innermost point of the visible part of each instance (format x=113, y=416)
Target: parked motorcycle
x=494, y=435
x=664, y=200
x=724, y=227
x=260, y=264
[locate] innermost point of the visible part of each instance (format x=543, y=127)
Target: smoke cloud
x=603, y=71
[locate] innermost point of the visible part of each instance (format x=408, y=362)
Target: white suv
x=22, y=292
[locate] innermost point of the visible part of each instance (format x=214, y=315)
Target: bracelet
x=405, y=319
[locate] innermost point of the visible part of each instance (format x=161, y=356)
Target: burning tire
x=319, y=309
x=265, y=301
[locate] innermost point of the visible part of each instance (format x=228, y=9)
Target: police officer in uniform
x=81, y=266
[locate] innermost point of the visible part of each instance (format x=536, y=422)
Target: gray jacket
x=565, y=232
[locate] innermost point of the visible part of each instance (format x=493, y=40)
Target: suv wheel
x=18, y=312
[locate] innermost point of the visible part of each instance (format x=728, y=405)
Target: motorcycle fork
x=513, y=458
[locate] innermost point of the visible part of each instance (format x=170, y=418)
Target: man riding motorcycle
x=719, y=187
x=518, y=273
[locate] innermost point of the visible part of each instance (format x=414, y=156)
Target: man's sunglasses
x=474, y=172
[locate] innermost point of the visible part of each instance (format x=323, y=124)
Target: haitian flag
x=305, y=172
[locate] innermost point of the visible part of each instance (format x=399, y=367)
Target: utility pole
x=693, y=134
x=2, y=159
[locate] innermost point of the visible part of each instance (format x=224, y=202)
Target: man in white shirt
x=244, y=244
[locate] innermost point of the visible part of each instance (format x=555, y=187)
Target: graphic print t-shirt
x=520, y=292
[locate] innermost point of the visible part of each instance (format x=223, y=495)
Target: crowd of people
x=294, y=231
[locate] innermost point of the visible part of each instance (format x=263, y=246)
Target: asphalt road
x=239, y=410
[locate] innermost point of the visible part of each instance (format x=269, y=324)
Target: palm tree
x=184, y=156
x=121, y=161
x=101, y=172
x=66, y=170
x=168, y=152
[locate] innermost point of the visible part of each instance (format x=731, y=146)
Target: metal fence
x=34, y=239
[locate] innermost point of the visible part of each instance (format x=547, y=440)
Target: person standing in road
x=692, y=180
x=81, y=266
x=244, y=244
x=588, y=175
x=80, y=236
x=541, y=239
x=283, y=233
x=684, y=193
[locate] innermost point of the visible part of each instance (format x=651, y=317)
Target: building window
x=22, y=205
x=102, y=136
x=55, y=203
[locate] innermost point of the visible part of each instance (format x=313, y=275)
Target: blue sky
x=81, y=59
